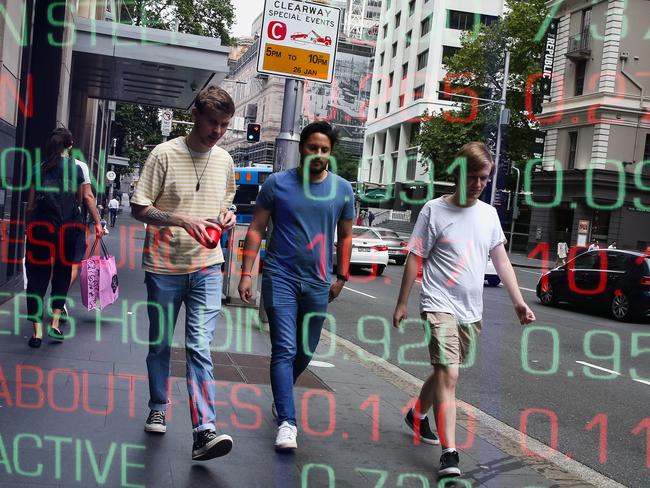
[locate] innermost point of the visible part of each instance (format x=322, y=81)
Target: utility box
x=232, y=268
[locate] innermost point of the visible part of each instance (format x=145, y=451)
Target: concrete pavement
x=72, y=414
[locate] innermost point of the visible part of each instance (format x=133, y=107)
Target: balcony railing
x=579, y=46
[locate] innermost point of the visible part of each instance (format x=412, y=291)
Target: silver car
x=396, y=245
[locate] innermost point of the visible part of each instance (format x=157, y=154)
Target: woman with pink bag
x=54, y=227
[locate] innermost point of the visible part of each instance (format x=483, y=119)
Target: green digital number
x=461, y=179
x=637, y=350
x=555, y=338
x=384, y=340
x=528, y=192
x=401, y=352
x=620, y=194
x=615, y=355
x=305, y=334
x=304, y=475
x=306, y=182
x=471, y=356
x=638, y=181
x=424, y=482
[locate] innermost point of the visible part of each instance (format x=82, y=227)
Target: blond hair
x=214, y=98
x=477, y=156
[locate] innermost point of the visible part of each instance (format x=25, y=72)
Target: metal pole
x=515, y=210
x=504, y=87
x=286, y=144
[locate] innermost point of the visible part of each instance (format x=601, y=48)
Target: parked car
x=368, y=250
x=396, y=245
x=615, y=280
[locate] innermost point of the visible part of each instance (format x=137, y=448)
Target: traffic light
x=253, y=132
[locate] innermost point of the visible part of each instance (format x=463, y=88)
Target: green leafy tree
x=346, y=166
x=479, y=65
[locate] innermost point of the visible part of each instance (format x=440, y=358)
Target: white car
x=368, y=250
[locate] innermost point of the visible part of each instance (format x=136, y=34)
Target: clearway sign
x=299, y=40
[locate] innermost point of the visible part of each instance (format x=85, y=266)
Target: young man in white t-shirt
x=452, y=237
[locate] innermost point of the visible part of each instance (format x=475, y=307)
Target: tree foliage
x=346, y=166
x=478, y=67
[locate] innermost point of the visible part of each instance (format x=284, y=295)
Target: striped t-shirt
x=168, y=182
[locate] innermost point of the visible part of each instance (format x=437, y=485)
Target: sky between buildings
x=245, y=13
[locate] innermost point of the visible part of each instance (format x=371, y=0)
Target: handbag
x=98, y=280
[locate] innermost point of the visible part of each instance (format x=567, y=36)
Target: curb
x=555, y=466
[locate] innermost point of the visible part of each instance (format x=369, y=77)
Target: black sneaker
x=209, y=445
x=156, y=422
x=449, y=464
x=425, y=433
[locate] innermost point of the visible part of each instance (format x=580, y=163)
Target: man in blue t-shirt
x=306, y=204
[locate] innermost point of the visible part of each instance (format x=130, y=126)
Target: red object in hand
x=215, y=235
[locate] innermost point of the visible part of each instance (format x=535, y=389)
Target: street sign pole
x=497, y=156
x=286, y=144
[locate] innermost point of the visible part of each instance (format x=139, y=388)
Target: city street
x=554, y=396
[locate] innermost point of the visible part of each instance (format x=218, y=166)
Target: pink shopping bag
x=98, y=280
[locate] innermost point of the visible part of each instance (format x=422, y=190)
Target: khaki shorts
x=451, y=341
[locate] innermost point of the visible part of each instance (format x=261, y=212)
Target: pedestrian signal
x=253, y=132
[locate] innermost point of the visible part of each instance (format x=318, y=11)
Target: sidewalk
x=73, y=414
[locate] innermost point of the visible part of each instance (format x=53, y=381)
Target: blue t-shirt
x=304, y=219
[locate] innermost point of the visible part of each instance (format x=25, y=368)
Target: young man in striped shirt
x=185, y=182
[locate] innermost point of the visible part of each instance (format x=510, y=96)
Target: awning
x=127, y=63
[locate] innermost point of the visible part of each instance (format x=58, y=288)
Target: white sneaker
x=286, y=438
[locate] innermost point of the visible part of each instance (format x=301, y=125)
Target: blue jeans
x=296, y=312
x=201, y=292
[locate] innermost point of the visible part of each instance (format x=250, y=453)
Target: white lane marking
x=359, y=292
x=527, y=289
x=598, y=367
x=531, y=272
x=641, y=381
x=321, y=364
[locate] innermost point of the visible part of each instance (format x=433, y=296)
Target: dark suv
x=614, y=280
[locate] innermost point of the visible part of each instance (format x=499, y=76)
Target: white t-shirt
x=113, y=203
x=84, y=170
x=454, y=243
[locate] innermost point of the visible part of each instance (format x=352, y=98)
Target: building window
x=442, y=94
x=425, y=26
x=405, y=69
x=411, y=7
x=388, y=5
x=409, y=34
x=415, y=131
x=387, y=107
x=381, y=59
x=390, y=79
x=394, y=48
x=411, y=163
x=385, y=29
x=378, y=87
x=645, y=171
x=376, y=112
x=423, y=57
x=449, y=52
x=459, y=20
x=401, y=100
x=398, y=19
x=418, y=92
x=581, y=67
x=573, y=147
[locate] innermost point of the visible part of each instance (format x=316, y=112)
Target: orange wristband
x=243, y=273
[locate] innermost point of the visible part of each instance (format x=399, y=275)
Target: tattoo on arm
x=157, y=217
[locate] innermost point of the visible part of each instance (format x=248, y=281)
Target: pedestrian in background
x=595, y=245
x=306, y=204
x=54, y=227
x=612, y=245
x=453, y=238
x=562, y=252
x=185, y=184
x=113, y=207
x=371, y=218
